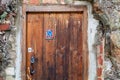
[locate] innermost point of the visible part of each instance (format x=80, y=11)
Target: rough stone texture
x=99, y=44
x=8, y=53
x=10, y=78
x=115, y=38
x=7, y=39
x=99, y=71
x=37, y=2
x=100, y=60
x=111, y=8
x=115, y=55
x=10, y=71
x=49, y=1
x=1, y=78
x=111, y=17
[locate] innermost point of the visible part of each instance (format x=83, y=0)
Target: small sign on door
x=49, y=34
x=30, y=49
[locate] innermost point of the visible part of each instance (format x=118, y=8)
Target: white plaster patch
x=92, y=25
x=92, y=54
x=9, y=78
x=18, y=48
x=10, y=71
x=108, y=65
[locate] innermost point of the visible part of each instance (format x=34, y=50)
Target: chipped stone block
x=68, y=1
x=107, y=64
x=115, y=37
x=10, y=71
x=100, y=60
x=116, y=1
x=10, y=78
x=34, y=1
x=50, y=1
x=116, y=47
x=5, y=1
x=11, y=39
x=1, y=78
x=99, y=72
x=111, y=9
x=99, y=79
x=25, y=1
x=4, y=26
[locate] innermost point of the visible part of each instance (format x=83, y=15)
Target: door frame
x=54, y=8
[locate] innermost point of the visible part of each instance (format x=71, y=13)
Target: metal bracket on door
x=32, y=61
x=32, y=71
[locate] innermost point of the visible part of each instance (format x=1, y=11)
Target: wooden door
x=55, y=49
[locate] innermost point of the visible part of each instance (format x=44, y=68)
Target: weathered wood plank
x=29, y=43
x=66, y=44
x=73, y=47
x=85, y=46
x=49, y=24
x=38, y=34
x=60, y=47
x=33, y=39
x=60, y=58
x=54, y=8
x=80, y=41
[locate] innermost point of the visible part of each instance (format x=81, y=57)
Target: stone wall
x=111, y=9
x=8, y=11
x=103, y=39
x=37, y=2
x=13, y=72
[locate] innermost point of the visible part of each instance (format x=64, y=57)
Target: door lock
x=32, y=60
x=32, y=71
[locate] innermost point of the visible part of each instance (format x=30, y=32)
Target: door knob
x=32, y=60
x=32, y=71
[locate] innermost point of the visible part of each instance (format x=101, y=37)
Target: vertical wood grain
x=29, y=37
x=60, y=47
x=34, y=41
x=49, y=24
x=62, y=51
x=62, y=57
x=38, y=34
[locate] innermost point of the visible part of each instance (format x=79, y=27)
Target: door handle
x=32, y=71
x=32, y=60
